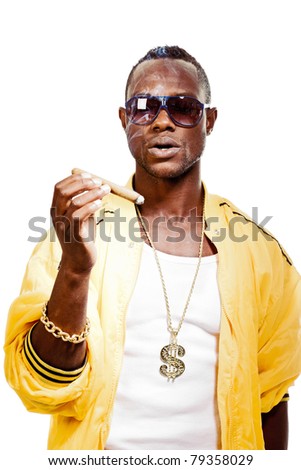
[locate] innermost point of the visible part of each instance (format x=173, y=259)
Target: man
x=186, y=335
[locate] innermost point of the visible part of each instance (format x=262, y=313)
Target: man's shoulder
x=216, y=204
x=241, y=226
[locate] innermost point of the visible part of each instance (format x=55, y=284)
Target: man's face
x=162, y=148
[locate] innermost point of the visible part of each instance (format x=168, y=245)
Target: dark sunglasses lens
x=185, y=110
x=141, y=110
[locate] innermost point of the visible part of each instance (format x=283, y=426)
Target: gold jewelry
x=58, y=333
x=174, y=367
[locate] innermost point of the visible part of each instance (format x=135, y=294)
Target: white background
x=63, y=70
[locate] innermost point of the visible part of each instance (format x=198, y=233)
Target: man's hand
x=75, y=201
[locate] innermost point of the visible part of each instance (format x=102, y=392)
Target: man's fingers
x=79, y=210
x=89, y=196
x=70, y=187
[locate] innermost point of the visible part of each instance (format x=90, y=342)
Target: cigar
x=121, y=191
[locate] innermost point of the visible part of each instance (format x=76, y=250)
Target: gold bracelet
x=58, y=333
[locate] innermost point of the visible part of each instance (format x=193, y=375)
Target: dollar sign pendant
x=173, y=367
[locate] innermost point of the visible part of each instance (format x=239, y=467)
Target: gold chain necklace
x=173, y=367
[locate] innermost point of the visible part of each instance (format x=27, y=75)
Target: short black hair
x=174, y=52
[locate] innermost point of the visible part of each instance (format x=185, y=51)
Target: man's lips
x=163, y=147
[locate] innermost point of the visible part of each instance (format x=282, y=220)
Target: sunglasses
x=184, y=111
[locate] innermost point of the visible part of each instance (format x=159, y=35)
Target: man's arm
x=75, y=201
x=275, y=427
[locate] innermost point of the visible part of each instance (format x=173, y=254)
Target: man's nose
x=163, y=121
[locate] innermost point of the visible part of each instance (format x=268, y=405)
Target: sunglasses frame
x=164, y=100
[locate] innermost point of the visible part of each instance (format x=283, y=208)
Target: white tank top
x=150, y=412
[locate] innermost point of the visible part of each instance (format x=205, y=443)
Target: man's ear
x=211, y=117
x=123, y=117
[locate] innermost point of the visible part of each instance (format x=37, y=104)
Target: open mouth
x=163, y=150
x=163, y=146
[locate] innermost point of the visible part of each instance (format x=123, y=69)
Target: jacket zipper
x=119, y=361
x=225, y=314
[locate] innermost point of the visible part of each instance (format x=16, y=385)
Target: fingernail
x=106, y=188
x=97, y=202
x=86, y=175
x=97, y=181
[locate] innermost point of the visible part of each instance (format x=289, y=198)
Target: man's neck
x=169, y=196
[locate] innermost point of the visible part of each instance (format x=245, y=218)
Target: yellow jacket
x=259, y=350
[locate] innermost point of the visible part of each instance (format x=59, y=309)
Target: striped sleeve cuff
x=45, y=371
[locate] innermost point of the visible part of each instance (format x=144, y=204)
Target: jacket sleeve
x=279, y=357
x=40, y=395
